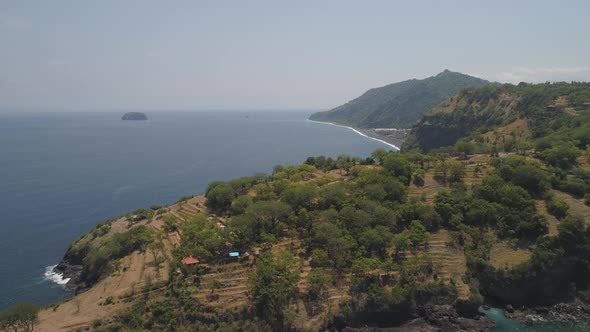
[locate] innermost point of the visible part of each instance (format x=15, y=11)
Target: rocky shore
x=572, y=312
x=434, y=318
x=70, y=268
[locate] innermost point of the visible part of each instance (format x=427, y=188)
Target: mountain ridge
x=399, y=104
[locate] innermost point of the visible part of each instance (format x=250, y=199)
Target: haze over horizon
x=216, y=55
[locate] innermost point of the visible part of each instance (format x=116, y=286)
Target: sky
x=229, y=55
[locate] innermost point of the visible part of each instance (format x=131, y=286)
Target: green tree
x=20, y=317
x=456, y=171
x=378, y=155
x=397, y=165
x=260, y=217
x=344, y=162
x=219, y=197
x=300, y=196
x=562, y=155
x=170, y=223
x=200, y=238
x=417, y=233
x=419, y=177
x=274, y=285
x=375, y=240
x=318, y=282
x=240, y=204
x=401, y=242
x=557, y=207
x=156, y=248
x=320, y=258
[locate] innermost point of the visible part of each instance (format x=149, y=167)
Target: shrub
x=557, y=207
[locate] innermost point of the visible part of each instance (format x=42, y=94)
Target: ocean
x=61, y=173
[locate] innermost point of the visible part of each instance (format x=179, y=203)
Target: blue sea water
x=61, y=173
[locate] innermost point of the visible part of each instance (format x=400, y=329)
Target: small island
x=134, y=116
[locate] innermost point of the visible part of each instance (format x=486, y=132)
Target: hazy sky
x=272, y=54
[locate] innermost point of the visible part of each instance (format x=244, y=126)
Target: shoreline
x=361, y=133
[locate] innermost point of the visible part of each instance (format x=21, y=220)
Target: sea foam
x=55, y=277
x=358, y=132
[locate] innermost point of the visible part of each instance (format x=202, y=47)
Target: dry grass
x=185, y=211
x=518, y=130
x=429, y=189
x=451, y=262
x=91, y=305
x=584, y=161
x=233, y=282
x=541, y=206
x=577, y=206
x=502, y=255
x=450, y=105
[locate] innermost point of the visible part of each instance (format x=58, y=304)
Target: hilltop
x=399, y=105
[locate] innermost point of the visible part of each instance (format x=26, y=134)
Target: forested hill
x=400, y=104
x=506, y=118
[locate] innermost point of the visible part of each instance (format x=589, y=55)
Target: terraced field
x=450, y=262
x=185, y=211
x=430, y=188
x=502, y=255
x=232, y=279
x=105, y=299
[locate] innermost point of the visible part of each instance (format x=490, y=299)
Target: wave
x=55, y=277
x=358, y=132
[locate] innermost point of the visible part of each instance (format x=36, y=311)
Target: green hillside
x=400, y=104
x=497, y=212
x=507, y=118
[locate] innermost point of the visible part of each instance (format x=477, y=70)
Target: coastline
x=365, y=133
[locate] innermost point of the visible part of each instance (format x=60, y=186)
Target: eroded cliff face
x=70, y=267
x=461, y=116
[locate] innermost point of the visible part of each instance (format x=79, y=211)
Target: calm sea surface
x=61, y=173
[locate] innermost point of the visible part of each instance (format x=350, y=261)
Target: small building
x=586, y=104
x=550, y=107
x=234, y=254
x=189, y=261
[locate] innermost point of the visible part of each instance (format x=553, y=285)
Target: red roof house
x=190, y=260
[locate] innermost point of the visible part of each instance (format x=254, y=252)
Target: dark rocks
x=446, y=318
x=434, y=318
x=71, y=267
x=571, y=312
x=134, y=116
x=509, y=308
x=73, y=272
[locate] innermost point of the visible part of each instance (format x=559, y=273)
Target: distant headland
x=134, y=116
